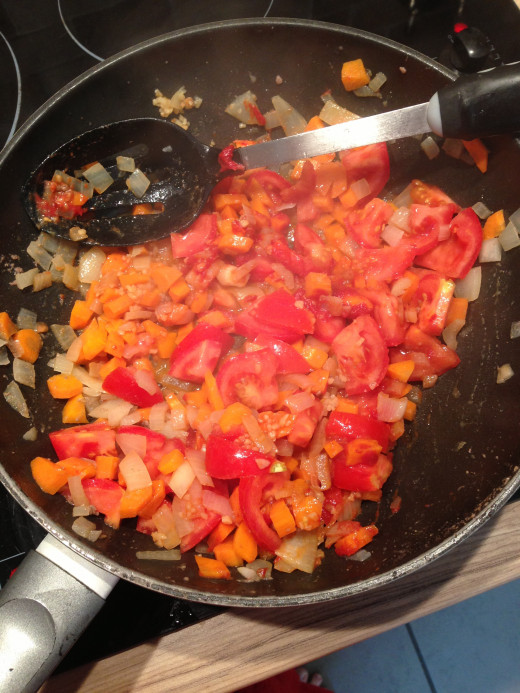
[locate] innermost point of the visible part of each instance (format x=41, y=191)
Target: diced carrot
x=49, y=477
x=317, y=284
x=132, y=278
x=314, y=356
x=346, y=406
x=108, y=294
x=348, y=200
x=332, y=448
x=111, y=365
x=282, y=518
x=107, y=466
x=173, y=401
x=179, y=290
x=214, y=396
x=307, y=511
x=217, y=318
x=94, y=339
x=235, y=506
x=166, y=345
x=171, y=461
x=354, y=75
x=353, y=541
x=362, y=450
x=147, y=208
x=117, y=307
x=74, y=411
x=211, y=568
x=231, y=244
x=115, y=345
x=221, y=200
x=478, y=152
x=494, y=225
x=228, y=213
x=78, y=466
x=458, y=310
x=25, y=345
x=197, y=398
x=164, y=276
x=225, y=552
x=199, y=301
x=153, y=329
x=331, y=179
x=7, y=326
x=149, y=299
x=401, y=370
x=134, y=501
x=323, y=202
x=158, y=496
x=410, y=411
x=244, y=543
x=80, y=315
x=232, y=416
x=115, y=262
x=217, y=535
x=396, y=430
x=183, y=331
x=143, y=363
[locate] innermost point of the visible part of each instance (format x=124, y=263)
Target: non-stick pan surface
x=458, y=462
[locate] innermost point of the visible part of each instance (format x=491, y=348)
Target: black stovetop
x=45, y=44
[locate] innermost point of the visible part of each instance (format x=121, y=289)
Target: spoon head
x=181, y=169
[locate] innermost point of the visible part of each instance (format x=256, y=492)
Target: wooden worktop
x=241, y=646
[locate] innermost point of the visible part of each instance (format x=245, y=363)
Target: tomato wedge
x=370, y=163
x=227, y=459
x=344, y=427
x=88, y=440
x=276, y=315
x=249, y=378
x=197, y=238
x=289, y=360
x=123, y=382
x=199, y=352
x=250, y=493
x=365, y=224
x=361, y=477
x=362, y=355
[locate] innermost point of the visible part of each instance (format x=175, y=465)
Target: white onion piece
x=299, y=402
x=377, y=81
x=238, y=109
x=135, y=472
x=157, y=417
x=125, y=163
x=291, y=120
x=365, y=91
x=87, y=380
x=392, y=235
x=509, y=238
x=217, y=503
x=132, y=442
x=360, y=188
x=26, y=319
x=400, y=286
x=257, y=435
x=138, y=183
x=167, y=534
x=146, y=380
x=159, y=555
x=114, y=410
x=390, y=409
x=430, y=147
x=450, y=332
x=360, y=555
x=25, y=279
x=481, y=210
x=272, y=120
x=469, y=287
x=299, y=550
x=404, y=198
x=14, y=398
x=70, y=277
x=197, y=461
x=83, y=510
x=453, y=147
x=491, y=250
x=86, y=529
x=89, y=268
x=515, y=329
x=98, y=177
x=181, y=479
x=24, y=373
x=401, y=218
x=332, y=113
x=515, y=219
x=249, y=573
x=65, y=336
x=78, y=185
x=31, y=434
x=77, y=492
x=504, y=373
x=42, y=280
x=39, y=255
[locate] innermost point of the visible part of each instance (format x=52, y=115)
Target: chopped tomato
x=369, y=476
x=426, y=194
x=227, y=459
x=276, y=315
x=249, y=378
x=370, y=163
x=199, y=352
x=362, y=355
x=136, y=386
x=344, y=427
x=251, y=490
x=197, y=238
x=427, y=225
x=365, y=224
x=88, y=440
x=288, y=359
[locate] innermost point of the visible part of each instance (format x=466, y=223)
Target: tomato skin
x=362, y=355
x=371, y=163
x=455, y=256
x=365, y=224
x=202, y=526
x=435, y=293
x=105, y=495
x=363, y=476
x=304, y=425
x=344, y=427
x=276, y=315
x=225, y=459
x=199, y=352
x=388, y=312
x=427, y=224
x=249, y=378
x=250, y=492
x=122, y=383
x=310, y=246
x=289, y=360
x=354, y=540
x=88, y=440
x=383, y=264
x=197, y=238
x=431, y=195
x=430, y=355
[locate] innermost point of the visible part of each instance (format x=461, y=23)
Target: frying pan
x=457, y=463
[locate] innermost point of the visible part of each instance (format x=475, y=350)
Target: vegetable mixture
x=239, y=389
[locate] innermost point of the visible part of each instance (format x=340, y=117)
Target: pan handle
x=45, y=606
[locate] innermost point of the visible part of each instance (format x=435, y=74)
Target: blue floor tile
x=386, y=663
x=475, y=645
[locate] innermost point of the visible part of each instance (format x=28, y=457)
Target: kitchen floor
x=473, y=646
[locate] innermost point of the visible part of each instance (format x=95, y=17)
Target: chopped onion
x=93, y=384
x=217, y=503
x=135, y=472
x=125, y=163
x=401, y=218
x=71, y=277
x=89, y=267
x=509, y=238
x=469, y=287
x=25, y=279
x=260, y=439
x=365, y=91
x=257, y=570
x=83, y=510
x=360, y=555
x=400, y=286
x=491, y=250
x=61, y=364
x=430, y=147
x=299, y=550
x=167, y=534
x=453, y=147
x=114, y=410
x=132, y=442
x=272, y=120
x=181, y=479
x=291, y=120
x=239, y=110
x=515, y=329
x=157, y=417
x=24, y=373
x=78, y=185
x=481, y=210
x=360, y=188
x=39, y=255
x=515, y=219
x=377, y=81
x=390, y=409
x=77, y=492
x=31, y=434
x=450, y=332
x=160, y=555
x=99, y=177
x=14, y=398
x=50, y=243
x=68, y=251
x=392, y=235
x=4, y=356
x=332, y=113
x=299, y=402
x=146, y=380
x=86, y=529
x=504, y=373
x=26, y=319
x=65, y=335
x=404, y=198
x=197, y=461
x=42, y=280
x=138, y=183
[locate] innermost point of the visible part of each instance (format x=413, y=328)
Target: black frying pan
x=458, y=462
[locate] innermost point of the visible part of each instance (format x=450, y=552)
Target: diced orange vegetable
x=149, y=299
x=25, y=345
x=211, y=568
x=282, y=518
x=221, y=200
x=478, y=152
x=332, y=448
x=158, y=496
x=7, y=326
x=115, y=262
x=199, y=301
x=347, y=406
x=352, y=542
x=78, y=466
x=331, y=179
x=164, y=276
x=94, y=339
x=307, y=511
x=410, y=411
x=244, y=543
x=494, y=225
x=314, y=356
x=111, y=365
x=117, y=307
x=317, y=284
x=80, y=315
x=458, y=310
x=354, y=74
x=166, y=345
x=214, y=396
x=74, y=411
x=171, y=461
x=217, y=535
x=179, y=290
x=132, y=278
x=232, y=416
x=396, y=430
x=362, y=450
x=134, y=501
x=401, y=370
x=320, y=381
x=225, y=552
x=107, y=466
x=62, y=386
x=115, y=344
x=49, y=477
x=231, y=244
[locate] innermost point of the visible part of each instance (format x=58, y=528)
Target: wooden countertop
x=241, y=646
